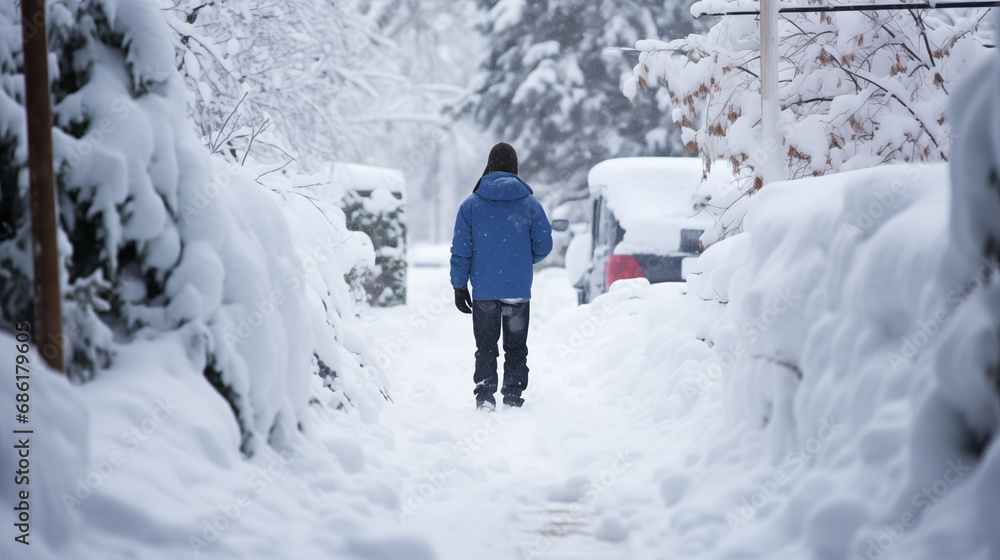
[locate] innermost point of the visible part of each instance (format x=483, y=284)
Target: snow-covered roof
x=651, y=197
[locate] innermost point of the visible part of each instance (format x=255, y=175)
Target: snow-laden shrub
x=960, y=413
x=298, y=85
x=857, y=89
x=381, y=215
x=279, y=79
x=157, y=237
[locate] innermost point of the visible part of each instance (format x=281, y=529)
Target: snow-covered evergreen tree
x=550, y=86
x=161, y=242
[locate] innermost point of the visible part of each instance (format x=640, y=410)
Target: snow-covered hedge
x=160, y=240
x=382, y=217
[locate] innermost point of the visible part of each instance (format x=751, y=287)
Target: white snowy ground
x=822, y=392
x=818, y=395
x=431, y=477
x=517, y=481
x=590, y=459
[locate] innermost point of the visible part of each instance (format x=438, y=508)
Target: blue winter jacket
x=500, y=232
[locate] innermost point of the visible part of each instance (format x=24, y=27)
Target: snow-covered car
x=646, y=223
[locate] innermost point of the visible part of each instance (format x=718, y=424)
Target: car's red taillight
x=620, y=267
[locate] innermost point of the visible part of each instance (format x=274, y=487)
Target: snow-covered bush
x=960, y=412
x=279, y=79
x=299, y=85
x=381, y=215
x=857, y=89
x=159, y=238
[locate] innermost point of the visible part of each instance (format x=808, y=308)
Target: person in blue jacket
x=500, y=232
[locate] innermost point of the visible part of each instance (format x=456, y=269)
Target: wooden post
x=773, y=164
x=37, y=105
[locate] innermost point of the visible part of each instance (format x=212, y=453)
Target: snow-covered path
x=657, y=425
x=514, y=483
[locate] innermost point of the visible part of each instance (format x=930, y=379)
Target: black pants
x=489, y=318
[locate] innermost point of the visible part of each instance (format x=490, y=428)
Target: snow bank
x=795, y=383
x=828, y=387
x=144, y=462
x=210, y=330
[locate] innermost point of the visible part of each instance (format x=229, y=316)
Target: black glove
x=463, y=301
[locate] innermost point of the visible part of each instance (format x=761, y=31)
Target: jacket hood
x=502, y=186
x=503, y=157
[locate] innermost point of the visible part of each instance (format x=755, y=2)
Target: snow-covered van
x=646, y=222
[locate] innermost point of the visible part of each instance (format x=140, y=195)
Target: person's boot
x=487, y=405
x=513, y=402
x=484, y=397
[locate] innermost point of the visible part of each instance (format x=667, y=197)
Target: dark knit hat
x=502, y=158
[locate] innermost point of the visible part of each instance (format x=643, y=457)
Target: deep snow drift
x=186, y=281
x=799, y=419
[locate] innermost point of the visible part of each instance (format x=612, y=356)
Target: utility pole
x=37, y=105
x=772, y=168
